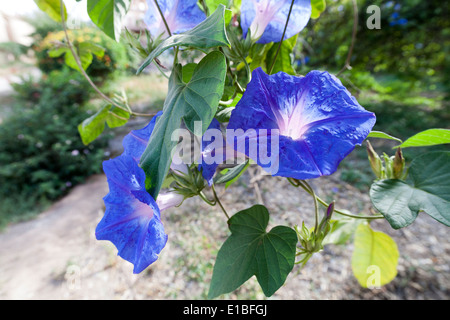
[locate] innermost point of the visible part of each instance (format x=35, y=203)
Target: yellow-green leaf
x=375, y=257
x=52, y=8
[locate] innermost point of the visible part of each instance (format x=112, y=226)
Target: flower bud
x=375, y=161
x=398, y=165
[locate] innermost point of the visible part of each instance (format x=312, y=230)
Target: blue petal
x=274, y=20
x=136, y=141
x=180, y=15
x=319, y=121
x=208, y=170
x=132, y=218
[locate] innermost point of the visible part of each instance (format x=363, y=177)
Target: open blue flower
x=132, y=219
x=314, y=119
x=180, y=15
x=266, y=19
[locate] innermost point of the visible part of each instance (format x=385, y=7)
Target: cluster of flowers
x=318, y=121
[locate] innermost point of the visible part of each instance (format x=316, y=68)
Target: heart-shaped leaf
x=194, y=101
x=400, y=203
x=375, y=257
x=250, y=250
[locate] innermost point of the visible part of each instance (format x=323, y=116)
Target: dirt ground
x=56, y=255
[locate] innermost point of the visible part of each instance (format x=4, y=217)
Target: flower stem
x=282, y=37
x=205, y=198
x=347, y=65
x=163, y=18
x=297, y=183
x=310, y=190
x=218, y=201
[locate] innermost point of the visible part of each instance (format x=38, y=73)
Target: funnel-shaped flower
x=318, y=121
x=132, y=220
x=266, y=19
x=180, y=15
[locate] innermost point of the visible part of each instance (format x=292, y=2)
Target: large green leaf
x=108, y=15
x=429, y=137
x=400, y=203
x=52, y=8
x=375, y=257
x=250, y=250
x=208, y=34
x=196, y=100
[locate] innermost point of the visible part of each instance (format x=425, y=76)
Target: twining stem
x=168, y=30
x=310, y=190
x=163, y=18
x=83, y=72
x=282, y=37
x=205, y=198
x=218, y=201
x=352, y=45
x=297, y=183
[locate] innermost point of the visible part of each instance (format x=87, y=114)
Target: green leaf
x=188, y=71
x=342, y=229
x=317, y=7
x=195, y=101
x=400, y=203
x=375, y=257
x=429, y=137
x=258, y=54
x=250, y=250
x=208, y=34
x=108, y=15
x=231, y=175
x=85, y=52
x=93, y=126
x=283, y=60
x=117, y=118
x=214, y=4
x=382, y=135
x=52, y=8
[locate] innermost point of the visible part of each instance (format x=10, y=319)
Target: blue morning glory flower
x=180, y=16
x=316, y=120
x=132, y=219
x=136, y=141
x=266, y=19
x=216, y=151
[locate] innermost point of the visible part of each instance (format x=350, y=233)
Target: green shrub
x=117, y=57
x=41, y=153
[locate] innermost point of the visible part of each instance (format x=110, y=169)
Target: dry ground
x=56, y=255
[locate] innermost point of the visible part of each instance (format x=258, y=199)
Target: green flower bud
x=375, y=161
x=398, y=166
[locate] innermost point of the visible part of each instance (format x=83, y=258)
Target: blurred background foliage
x=400, y=71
